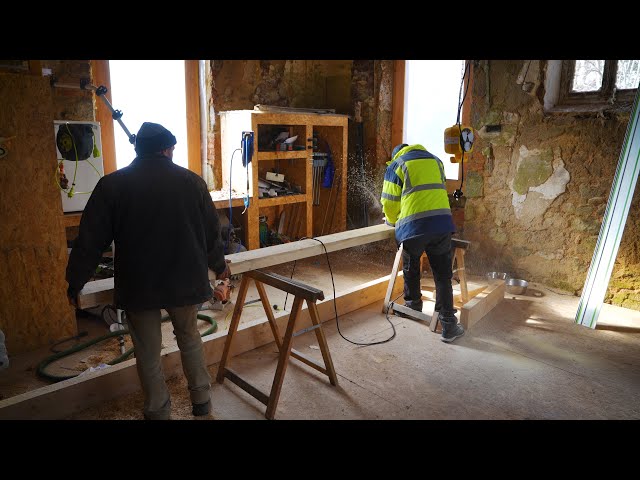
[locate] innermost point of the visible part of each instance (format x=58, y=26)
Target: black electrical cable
x=335, y=307
x=460, y=102
x=118, y=333
x=75, y=337
x=230, y=211
x=458, y=193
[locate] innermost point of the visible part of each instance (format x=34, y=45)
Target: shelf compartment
x=283, y=200
x=284, y=155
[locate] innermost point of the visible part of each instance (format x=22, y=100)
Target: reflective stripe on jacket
x=414, y=195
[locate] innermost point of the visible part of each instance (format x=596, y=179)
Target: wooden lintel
x=62, y=399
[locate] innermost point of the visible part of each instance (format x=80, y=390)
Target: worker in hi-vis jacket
x=415, y=202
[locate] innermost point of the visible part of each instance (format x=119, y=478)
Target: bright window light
x=149, y=91
x=432, y=89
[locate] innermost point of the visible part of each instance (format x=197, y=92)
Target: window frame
x=397, y=114
x=101, y=76
x=608, y=97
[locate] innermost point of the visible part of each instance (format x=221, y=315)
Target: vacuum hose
x=118, y=333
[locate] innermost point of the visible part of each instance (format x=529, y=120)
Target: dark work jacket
x=166, y=232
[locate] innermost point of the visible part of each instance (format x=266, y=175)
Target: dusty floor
x=526, y=359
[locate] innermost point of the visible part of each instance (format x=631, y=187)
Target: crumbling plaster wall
x=538, y=188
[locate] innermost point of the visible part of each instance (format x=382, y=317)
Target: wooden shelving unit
x=301, y=217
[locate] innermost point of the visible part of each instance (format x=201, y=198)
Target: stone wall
x=537, y=185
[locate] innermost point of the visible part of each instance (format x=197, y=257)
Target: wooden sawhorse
x=301, y=292
x=459, y=247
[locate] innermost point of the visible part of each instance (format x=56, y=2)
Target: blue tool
x=247, y=153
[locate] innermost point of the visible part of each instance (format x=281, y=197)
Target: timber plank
x=100, y=291
x=482, y=303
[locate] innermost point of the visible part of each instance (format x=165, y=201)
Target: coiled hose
x=118, y=333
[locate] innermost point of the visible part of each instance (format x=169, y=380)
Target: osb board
x=33, y=250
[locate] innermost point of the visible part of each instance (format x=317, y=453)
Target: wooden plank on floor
x=62, y=399
x=481, y=304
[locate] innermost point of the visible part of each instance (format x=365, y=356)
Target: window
x=149, y=91
x=432, y=90
x=590, y=85
x=164, y=100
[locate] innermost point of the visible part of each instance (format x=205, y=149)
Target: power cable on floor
x=75, y=337
x=41, y=368
x=335, y=307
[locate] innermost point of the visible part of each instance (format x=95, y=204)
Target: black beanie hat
x=397, y=149
x=152, y=138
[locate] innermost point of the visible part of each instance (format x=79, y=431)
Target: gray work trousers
x=146, y=334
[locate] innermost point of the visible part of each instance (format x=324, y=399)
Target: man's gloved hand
x=225, y=274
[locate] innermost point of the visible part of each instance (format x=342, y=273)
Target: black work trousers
x=438, y=250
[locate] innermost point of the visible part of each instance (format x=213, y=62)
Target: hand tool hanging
x=247, y=153
x=319, y=163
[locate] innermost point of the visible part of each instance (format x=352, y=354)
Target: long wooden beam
x=101, y=291
x=288, y=252
x=62, y=399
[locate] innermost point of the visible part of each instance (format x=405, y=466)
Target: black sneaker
x=449, y=334
x=200, y=409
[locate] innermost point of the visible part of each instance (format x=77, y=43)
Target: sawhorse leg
x=302, y=292
x=233, y=327
x=392, y=279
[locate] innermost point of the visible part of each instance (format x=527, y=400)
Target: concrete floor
x=526, y=359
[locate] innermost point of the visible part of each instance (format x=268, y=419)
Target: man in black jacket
x=167, y=234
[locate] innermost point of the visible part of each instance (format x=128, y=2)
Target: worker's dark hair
x=397, y=149
x=152, y=138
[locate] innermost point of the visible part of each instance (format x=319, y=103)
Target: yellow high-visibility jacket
x=414, y=195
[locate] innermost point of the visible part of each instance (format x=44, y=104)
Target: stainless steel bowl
x=516, y=286
x=497, y=276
